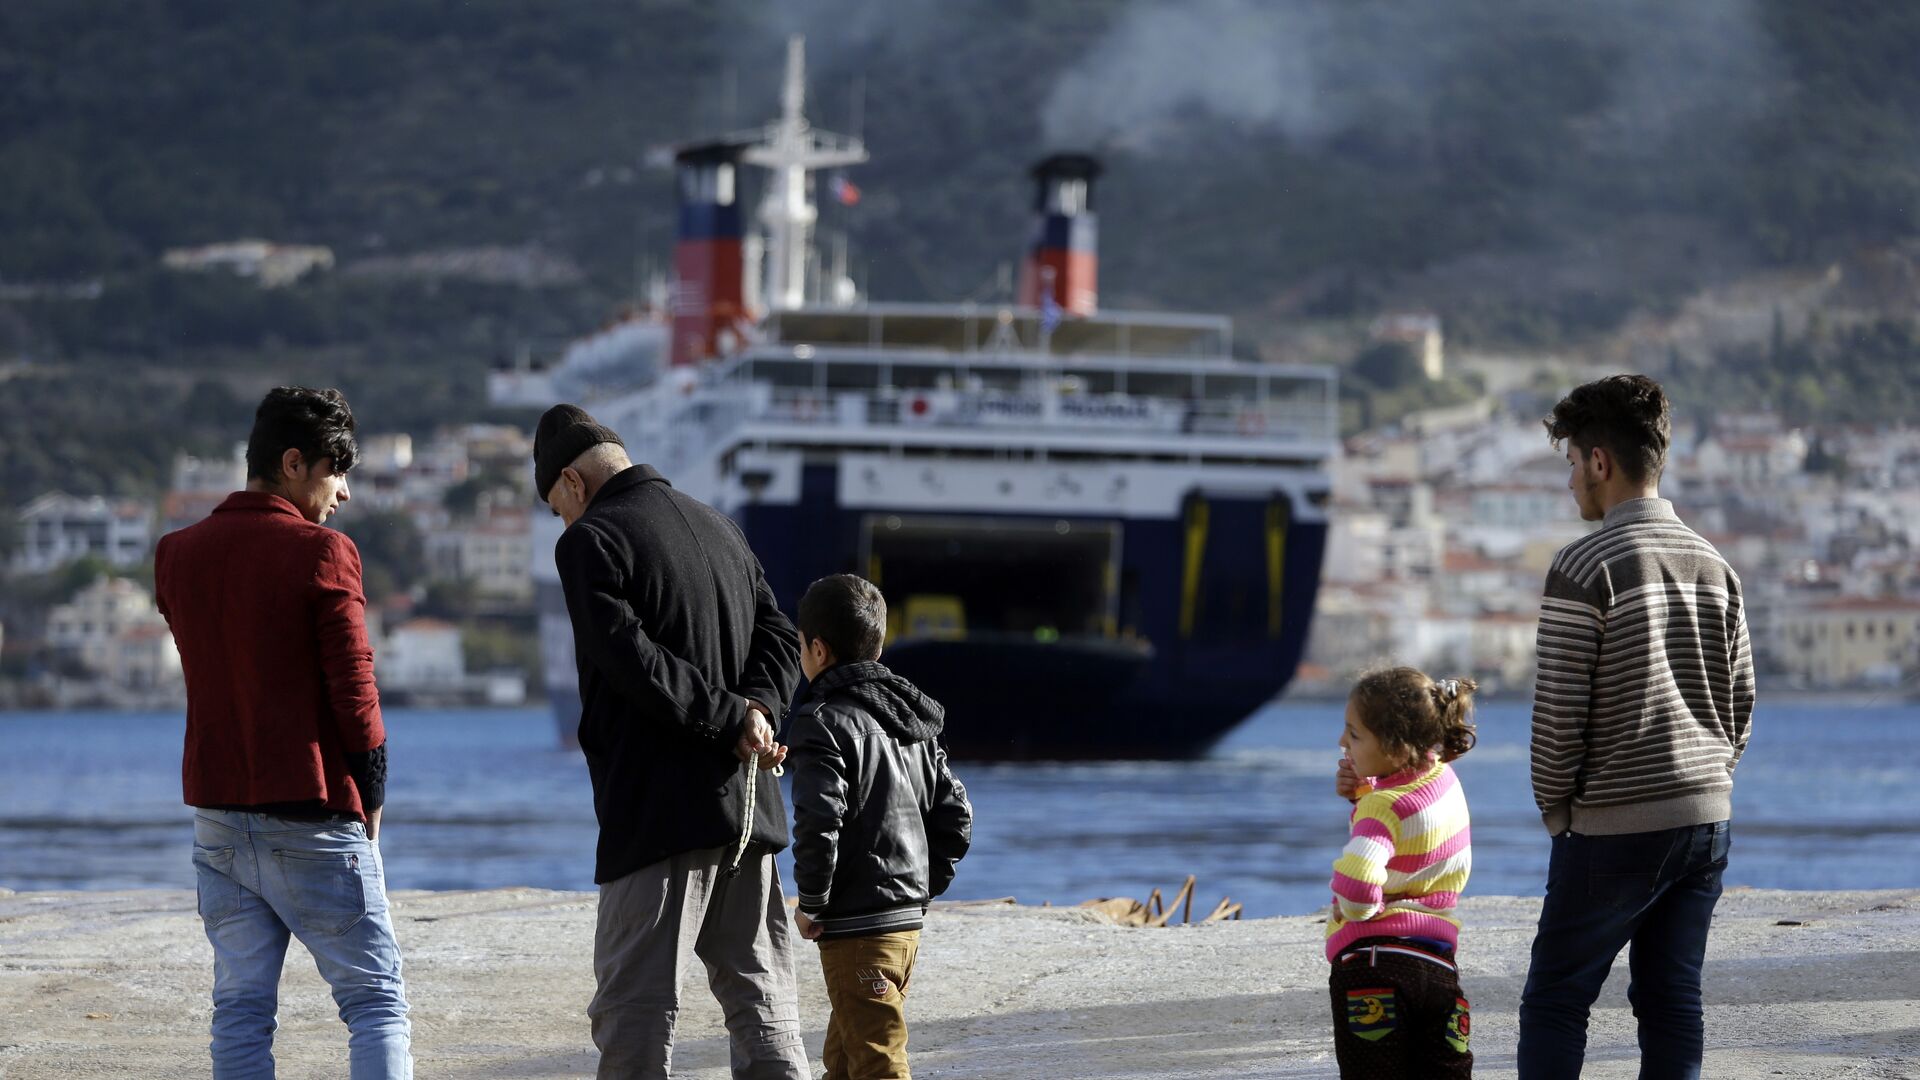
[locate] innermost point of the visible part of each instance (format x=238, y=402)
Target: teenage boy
x=286, y=755
x=1643, y=707
x=870, y=780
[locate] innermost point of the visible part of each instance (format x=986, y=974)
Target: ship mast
x=791, y=149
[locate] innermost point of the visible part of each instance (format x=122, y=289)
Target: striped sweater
x=1645, y=694
x=1402, y=870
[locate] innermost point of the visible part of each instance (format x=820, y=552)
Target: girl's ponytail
x=1413, y=715
x=1453, y=699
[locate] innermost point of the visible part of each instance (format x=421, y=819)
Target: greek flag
x=1049, y=311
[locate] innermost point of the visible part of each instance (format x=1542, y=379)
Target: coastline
x=1852, y=697
x=1769, y=694
x=93, y=984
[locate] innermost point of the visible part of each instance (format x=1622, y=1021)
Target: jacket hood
x=899, y=706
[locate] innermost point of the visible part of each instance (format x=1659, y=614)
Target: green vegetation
x=1384, y=382
x=496, y=646
x=392, y=552
x=1860, y=372
x=1477, y=174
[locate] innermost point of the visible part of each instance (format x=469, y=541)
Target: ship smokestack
x=1064, y=257
x=710, y=314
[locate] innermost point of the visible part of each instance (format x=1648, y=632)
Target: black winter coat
x=674, y=629
x=879, y=819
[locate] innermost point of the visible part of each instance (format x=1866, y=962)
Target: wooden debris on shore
x=1127, y=911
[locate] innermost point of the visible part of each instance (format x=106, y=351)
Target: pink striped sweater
x=1405, y=863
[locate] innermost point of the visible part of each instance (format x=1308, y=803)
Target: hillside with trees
x=1535, y=172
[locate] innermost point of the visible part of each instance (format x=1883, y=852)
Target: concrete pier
x=1810, y=985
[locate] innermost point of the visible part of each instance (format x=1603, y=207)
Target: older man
x=683, y=659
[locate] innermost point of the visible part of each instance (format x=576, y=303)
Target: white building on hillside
x=112, y=629
x=1849, y=641
x=423, y=655
x=1750, y=460
x=56, y=529
x=494, y=553
x=1420, y=332
x=271, y=265
x=1519, y=507
x=222, y=474
x=200, y=484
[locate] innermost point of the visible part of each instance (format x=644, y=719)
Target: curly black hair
x=1626, y=414
x=318, y=423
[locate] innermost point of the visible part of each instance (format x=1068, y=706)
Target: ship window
x=853, y=376
x=1067, y=196
x=1096, y=382
x=783, y=372
x=993, y=378
x=917, y=376
x=1233, y=387
x=1160, y=384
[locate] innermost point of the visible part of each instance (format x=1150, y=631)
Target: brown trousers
x=867, y=987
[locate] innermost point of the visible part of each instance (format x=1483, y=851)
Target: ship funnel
x=1064, y=255
x=710, y=314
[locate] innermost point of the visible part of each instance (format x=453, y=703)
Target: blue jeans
x=1653, y=891
x=264, y=878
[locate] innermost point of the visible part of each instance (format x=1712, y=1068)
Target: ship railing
x=1275, y=420
x=700, y=426
x=1001, y=330
x=823, y=367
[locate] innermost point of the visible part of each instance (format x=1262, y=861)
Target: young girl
x=1397, y=1006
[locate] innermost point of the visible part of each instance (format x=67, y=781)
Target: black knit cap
x=565, y=432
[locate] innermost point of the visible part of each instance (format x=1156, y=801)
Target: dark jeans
x=1653, y=891
x=1398, y=1017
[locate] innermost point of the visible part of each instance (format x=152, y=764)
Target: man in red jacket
x=285, y=752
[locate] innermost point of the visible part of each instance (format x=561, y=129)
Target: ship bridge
x=958, y=382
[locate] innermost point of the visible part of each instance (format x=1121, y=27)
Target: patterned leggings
x=1397, y=1016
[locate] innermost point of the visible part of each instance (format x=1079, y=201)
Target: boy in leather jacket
x=878, y=823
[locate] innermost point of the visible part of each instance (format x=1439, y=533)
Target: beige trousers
x=867, y=985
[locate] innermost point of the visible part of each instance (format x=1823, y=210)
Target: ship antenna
x=790, y=149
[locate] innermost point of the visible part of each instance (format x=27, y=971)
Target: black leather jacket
x=878, y=819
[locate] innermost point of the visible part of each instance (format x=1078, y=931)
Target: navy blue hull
x=1193, y=650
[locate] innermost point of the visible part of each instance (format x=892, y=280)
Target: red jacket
x=267, y=610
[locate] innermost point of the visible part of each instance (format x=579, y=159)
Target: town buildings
x=1443, y=527
x=454, y=510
